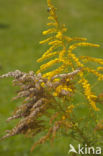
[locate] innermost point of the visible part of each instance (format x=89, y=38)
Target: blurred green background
x=21, y=24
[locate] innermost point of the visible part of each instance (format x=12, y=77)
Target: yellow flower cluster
x=74, y=46
x=62, y=88
x=61, y=53
x=99, y=75
x=92, y=59
x=88, y=93
x=75, y=59
x=49, y=64
x=70, y=39
x=54, y=72
x=58, y=48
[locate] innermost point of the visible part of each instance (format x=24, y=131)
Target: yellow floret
x=49, y=31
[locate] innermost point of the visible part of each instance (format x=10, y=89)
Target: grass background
x=21, y=24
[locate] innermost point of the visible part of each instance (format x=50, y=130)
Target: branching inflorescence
x=47, y=104
x=65, y=56
x=38, y=101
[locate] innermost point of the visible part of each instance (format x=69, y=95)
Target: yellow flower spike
x=54, y=72
x=92, y=59
x=49, y=31
x=74, y=46
x=89, y=95
x=62, y=53
x=47, y=56
x=94, y=105
x=76, y=60
x=52, y=24
x=47, y=52
x=50, y=50
x=69, y=39
x=47, y=40
x=51, y=10
x=100, y=76
x=56, y=42
x=49, y=64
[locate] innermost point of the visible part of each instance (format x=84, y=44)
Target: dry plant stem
x=70, y=75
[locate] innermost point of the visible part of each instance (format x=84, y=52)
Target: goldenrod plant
x=59, y=98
